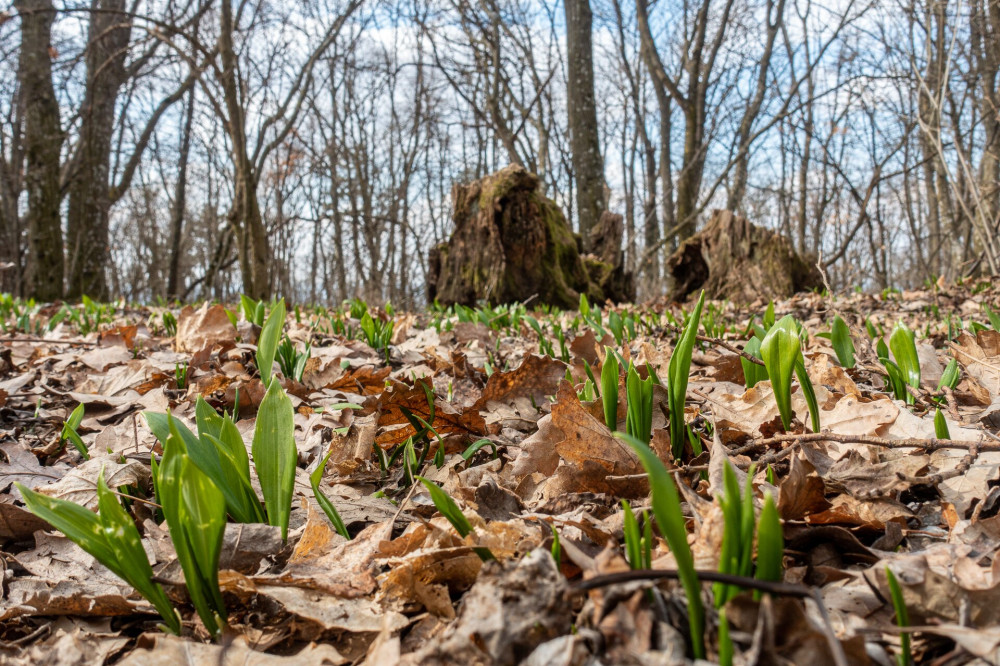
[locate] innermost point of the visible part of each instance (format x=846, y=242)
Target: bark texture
x=89, y=191
x=734, y=259
x=43, y=139
x=588, y=164
x=511, y=243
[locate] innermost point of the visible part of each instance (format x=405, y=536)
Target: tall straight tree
x=180, y=201
x=588, y=164
x=89, y=196
x=43, y=139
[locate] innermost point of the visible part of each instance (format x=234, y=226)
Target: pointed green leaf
x=669, y=517
x=609, y=389
x=275, y=455
x=678, y=370
x=807, y=391
x=843, y=345
x=770, y=544
x=941, y=430
x=446, y=505
x=267, y=344
x=952, y=373
x=905, y=352
x=753, y=372
x=123, y=538
x=324, y=502
x=780, y=349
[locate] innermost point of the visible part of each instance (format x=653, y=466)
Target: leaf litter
x=519, y=440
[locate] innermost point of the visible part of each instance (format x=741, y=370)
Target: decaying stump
x=734, y=259
x=511, y=243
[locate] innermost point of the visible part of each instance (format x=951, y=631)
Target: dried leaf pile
x=873, y=490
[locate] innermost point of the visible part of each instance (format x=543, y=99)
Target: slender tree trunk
x=588, y=164
x=743, y=134
x=89, y=190
x=244, y=217
x=689, y=181
x=43, y=139
x=180, y=201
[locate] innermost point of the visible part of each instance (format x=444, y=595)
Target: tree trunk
x=42, y=144
x=245, y=217
x=588, y=164
x=89, y=196
x=180, y=201
x=743, y=134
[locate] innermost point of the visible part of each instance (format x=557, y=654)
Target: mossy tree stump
x=511, y=243
x=734, y=259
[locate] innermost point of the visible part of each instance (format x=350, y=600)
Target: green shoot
x=291, y=361
x=952, y=373
x=267, y=344
x=993, y=317
x=638, y=544
x=669, y=517
x=770, y=543
x=324, y=502
x=180, y=375
x=169, y=323
x=807, y=391
x=609, y=389
x=556, y=544
x=780, y=350
x=69, y=431
x=449, y=509
x=738, y=531
x=905, y=657
x=195, y=511
x=275, y=455
x=905, y=351
x=753, y=372
x=639, y=405
x=843, y=345
x=677, y=378
x=474, y=448
x=378, y=333
x=110, y=536
x=940, y=425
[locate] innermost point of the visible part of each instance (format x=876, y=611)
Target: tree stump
x=734, y=259
x=510, y=243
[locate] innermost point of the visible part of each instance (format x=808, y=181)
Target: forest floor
x=883, y=487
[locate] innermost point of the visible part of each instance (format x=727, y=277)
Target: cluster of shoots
x=639, y=391
x=378, y=333
x=778, y=344
x=202, y=480
x=903, y=369
x=737, y=556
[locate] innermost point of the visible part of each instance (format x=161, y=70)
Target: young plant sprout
x=110, y=536
x=677, y=378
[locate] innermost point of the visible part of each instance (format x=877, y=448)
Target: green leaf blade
x=275, y=455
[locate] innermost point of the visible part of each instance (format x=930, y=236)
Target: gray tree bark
x=89, y=194
x=43, y=139
x=588, y=164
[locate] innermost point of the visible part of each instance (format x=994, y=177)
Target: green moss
x=497, y=186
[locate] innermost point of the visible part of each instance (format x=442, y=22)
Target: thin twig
x=929, y=444
x=772, y=587
x=135, y=499
x=934, y=479
x=721, y=343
